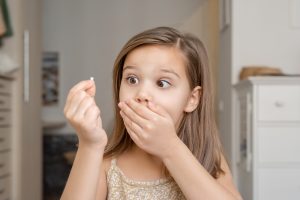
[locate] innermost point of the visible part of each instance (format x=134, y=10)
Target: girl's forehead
x=158, y=56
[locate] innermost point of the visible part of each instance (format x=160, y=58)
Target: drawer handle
x=2, y=165
x=279, y=104
x=1, y=102
x=2, y=191
x=1, y=86
x=2, y=118
x=2, y=139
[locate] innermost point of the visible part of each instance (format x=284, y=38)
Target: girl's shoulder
x=111, y=160
x=122, y=159
x=107, y=163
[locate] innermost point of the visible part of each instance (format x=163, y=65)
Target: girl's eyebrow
x=163, y=70
x=128, y=67
x=170, y=71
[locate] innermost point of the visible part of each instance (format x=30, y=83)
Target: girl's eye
x=163, y=84
x=132, y=80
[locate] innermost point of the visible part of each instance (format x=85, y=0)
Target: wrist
x=97, y=142
x=98, y=148
x=173, y=146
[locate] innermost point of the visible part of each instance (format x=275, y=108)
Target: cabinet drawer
x=4, y=163
x=5, y=117
x=280, y=144
x=5, y=136
x=5, y=188
x=5, y=86
x=279, y=103
x=5, y=102
x=278, y=184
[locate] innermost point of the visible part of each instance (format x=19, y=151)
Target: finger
x=73, y=103
x=82, y=85
x=85, y=103
x=132, y=115
x=140, y=109
x=92, y=114
x=134, y=126
x=133, y=135
x=92, y=90
x=131, y=132
x=157, y=109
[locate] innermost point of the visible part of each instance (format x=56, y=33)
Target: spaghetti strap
x=113, y=162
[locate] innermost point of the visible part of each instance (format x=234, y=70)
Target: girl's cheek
x=124, y=96
x=122, y=93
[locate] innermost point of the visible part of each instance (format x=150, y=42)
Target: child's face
x=156, y=73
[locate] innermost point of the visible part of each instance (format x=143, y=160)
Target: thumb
x=92, y=89
x=157, y=109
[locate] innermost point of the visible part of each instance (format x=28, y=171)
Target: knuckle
x=77, y=119
x=148, y=126
x=68, y=115
x=97, y=110
x=84, y=126
x=71, y=92
x=125, y=109
x=94, y=108
x=87, y=100
x=81, y=94
x=155, y=119
x=145, y=137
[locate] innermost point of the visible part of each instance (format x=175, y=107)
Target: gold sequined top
x=120, y=187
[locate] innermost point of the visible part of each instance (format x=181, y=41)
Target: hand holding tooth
x=83, y=114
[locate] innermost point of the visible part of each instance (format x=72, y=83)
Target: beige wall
x=205, y=24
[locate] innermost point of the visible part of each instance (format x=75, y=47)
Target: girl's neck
x=141, y=154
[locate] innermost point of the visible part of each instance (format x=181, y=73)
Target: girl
x=165, y=143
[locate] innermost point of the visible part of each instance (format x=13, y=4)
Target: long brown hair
x=197, y=129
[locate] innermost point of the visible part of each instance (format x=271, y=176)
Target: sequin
x=121, y=187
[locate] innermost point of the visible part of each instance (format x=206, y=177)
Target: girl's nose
x=143, y=98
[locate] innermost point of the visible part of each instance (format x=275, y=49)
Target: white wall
x=89, y=34
x=260, y=33
x=263, y=35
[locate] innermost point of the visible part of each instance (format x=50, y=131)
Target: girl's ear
x=193, y=100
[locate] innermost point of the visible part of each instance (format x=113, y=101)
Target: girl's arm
x=84, y=176
x=192, y=178
x=87, y=173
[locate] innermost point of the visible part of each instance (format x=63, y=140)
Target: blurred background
x=47, y=46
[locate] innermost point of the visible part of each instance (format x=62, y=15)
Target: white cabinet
x=268, y=134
